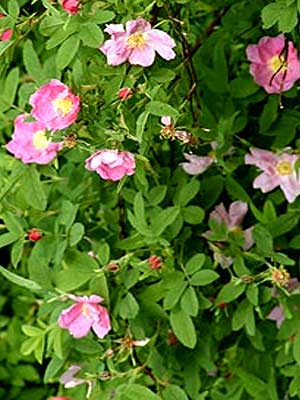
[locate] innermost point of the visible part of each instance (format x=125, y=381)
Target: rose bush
x=149, y=200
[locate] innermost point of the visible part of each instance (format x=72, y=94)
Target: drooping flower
x=30, y=143
x=55, y=105
x=85, y=315
x=68, y=378
x=169, y=131
x=70, y=6
x=233, y=219
x=278, y=170
x=137, y=43
x=277, y=315
x=111, y=164
x=274, y=64
x=6, y=34
x=196, y=165
x=125, y=93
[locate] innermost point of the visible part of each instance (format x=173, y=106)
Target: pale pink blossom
x=6, y=34
x=278, y=170
x=111, y=164
x=274, y=66
x=277, y=314
x=233, y=219
x=60, y=398
x=85, y=315
x=55, y=105
x=196, y=164
x=170, y=132
x=68, y=378
x=70, y=6
x=30, y=143
x=137, y=43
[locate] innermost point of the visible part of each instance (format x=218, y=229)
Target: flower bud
x=154, y=262
x=34, y=234
x=125, y=93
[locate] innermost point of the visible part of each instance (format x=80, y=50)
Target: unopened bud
x=34, y=234
x=125, y=93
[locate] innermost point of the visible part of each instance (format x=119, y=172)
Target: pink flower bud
x=70, y=6
x=125, y=93
x=34, y=234
x=7, y=33
x=154, y=262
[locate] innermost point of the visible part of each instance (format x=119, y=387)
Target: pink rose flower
x=111, y=164
x=233, y=219
x=137, y=43
x=6, y=34
x=55, y=105
x=70, y=6
x=270, y=67
x=84, y=315
x=278, y=170
x=30, y=144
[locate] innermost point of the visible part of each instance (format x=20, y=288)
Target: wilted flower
x=30, y=143
x=68, y=379
x=196, y=164
x=71, y=6
x=125, y=93
x=34, y=234
x=55, y=105
x=277, y=315
x=84, y=315
x=170, y=132
x=280, y=276
x=70, y=140
x=137, y=43
x=7, y=33
x=111, y=164
x=130, y=343
x=274, y=64
x=278, y=170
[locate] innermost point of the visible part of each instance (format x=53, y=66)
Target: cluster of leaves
x=210, y=338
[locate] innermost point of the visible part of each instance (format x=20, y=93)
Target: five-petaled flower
x=111, y=164
x=137, y=43
x=278, y=170
x=55, y=105
x=84, y=315
x=274, y=64
x=30, y=142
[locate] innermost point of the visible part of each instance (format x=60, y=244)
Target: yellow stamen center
x=212, y=154
x=136, y=40
x=284, y=168
x=85, y=310
x=40, y=140
x=63, y=106
x=236, y=229
x=278, y=64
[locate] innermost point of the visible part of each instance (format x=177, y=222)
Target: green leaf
x=288, y=19
x=161, y=109
x=251, y=383
x=32, y=62
x=296, y=347
x=20, y=281
x=230, y=292
x=193, y=215
x=282, y=224
x=140, y=125
x=8, y=95
x=164, y=219
x=91, y=35
x=183, y=328
x=189, y=302
x=173, y=392
x=244, y=316
x=195, y=263
x=173, y=295
x=52, y=368
x=270, y=15
x=204, y=277
x=128, y=307
x=32, y=330
x=68, y=213
x=33, y=190
x=12, y=223
x=188, y=192
x=252, y=294
x=13, y=8
x=103, y=253
x=17, y=252
x=243, y=87
x=134, y=391
x=8, y=238
x=263, y=239
x=76, y=233
x=269, y=114
x=67, y=51
x=157, y=194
